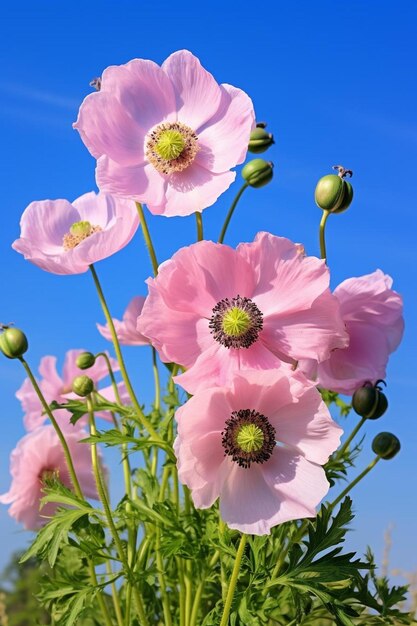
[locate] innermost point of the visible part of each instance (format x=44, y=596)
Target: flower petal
x=224, y=139
x=191, y=190
x=197, y=93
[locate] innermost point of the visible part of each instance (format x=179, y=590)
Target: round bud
x=347, y=197
x=13, y=343
x=260, y=140
x=386, y=445
x=82, y=386
x=369, y=402
x=329, y=192
x=85, y=360
x=258, y=172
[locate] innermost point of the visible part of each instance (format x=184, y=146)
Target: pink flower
x=215, y=310
x=59, y=388
x=38, y=456
x=372, y=313
x=258, y=445
x=126, y=330
x=65, y=238
x=167, y=136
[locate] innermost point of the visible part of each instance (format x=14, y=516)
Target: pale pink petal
x=51, y=382
x=307, y=426
x=311, y=333
x=143, y=89
x=278, y=264
x=197, y=93
x=215, y=366
x=126, y=331
x=142, y=183
x=106, y=128
x=248, y=503
x=45, y=223
x=191, y=190
x=224, y=140
x=299, y=484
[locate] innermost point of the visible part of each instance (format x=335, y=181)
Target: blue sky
x=336, y=83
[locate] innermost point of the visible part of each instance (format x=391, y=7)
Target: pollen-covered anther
x=77, y=233
x=48, y=475
x=236, y=323
x=248, y=438
x=171, y=147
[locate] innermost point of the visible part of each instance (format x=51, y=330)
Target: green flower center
x=77, y=233
x=170, y=145
x=250, y=438
x=236, y=322
x=81, y=228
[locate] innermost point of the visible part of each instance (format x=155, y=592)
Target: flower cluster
x=254, y=329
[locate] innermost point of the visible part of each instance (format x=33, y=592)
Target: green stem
x=147, y=237
x=67, y=453
x=354, y=482
x=112, y=377
x=157, y=403
x=233, y=581
x=77, y=488
x=145, y=422
x=350, y=438
x=231, y=211
x=115, y=596
x=322, y=234
x=101, y=490
x=199, y=220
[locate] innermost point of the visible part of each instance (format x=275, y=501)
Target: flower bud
x=13, y=342
x=85, y=360
x=257, y=172
x=333, y=194
x=386, y=445
x=82, y=386
x=369, y=401
x=260, y=140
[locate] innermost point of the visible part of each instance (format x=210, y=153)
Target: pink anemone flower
x=66, y=238
x=167, y=136
x=59, y=388
x=372, y=313
x=126, y=330
x=258, y=446
x=39, y=456
x=215, y=310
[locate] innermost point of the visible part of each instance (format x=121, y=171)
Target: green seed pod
x=369, y=402
x=329, y=193
x=258, y=172
x=260, y=140
x=386, y=445
x=13, y=343
x=82, y=386
x=85, y=360
x=347, y=197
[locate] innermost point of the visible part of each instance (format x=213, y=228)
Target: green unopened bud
x=258, y=172
x=333, y=193
x=369, y=401
x=13, y=342
x=260, y=139
x=85, y=360
x=386, y=445
x=82, y=386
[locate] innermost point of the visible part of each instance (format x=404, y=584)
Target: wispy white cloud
x=30, y=94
